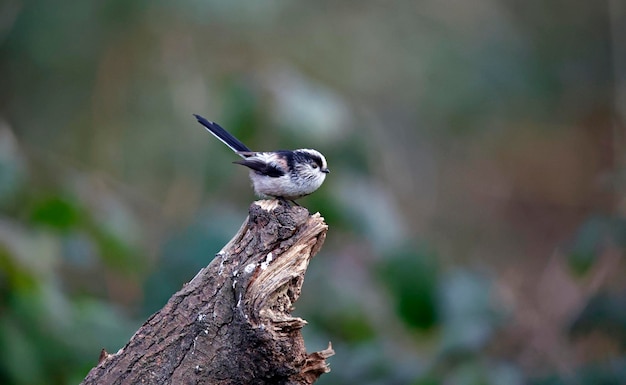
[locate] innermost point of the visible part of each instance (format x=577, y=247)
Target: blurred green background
x=477, y=200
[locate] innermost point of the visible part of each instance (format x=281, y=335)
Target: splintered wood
x=231, y=324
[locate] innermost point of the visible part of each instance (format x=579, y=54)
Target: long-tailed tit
x=280, y=174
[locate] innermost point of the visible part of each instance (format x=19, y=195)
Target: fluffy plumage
x=281, y=174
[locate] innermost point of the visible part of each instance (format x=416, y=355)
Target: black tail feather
x=223, y=135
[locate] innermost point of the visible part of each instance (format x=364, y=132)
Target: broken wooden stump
x=231, y=324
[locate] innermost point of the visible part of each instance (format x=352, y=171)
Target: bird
x=283, y=174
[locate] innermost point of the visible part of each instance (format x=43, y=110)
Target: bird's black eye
x=314, y=165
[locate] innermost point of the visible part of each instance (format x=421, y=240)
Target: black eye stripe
x=316, y=160
x=307, y=157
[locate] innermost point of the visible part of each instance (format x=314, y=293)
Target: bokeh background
x=477, y=200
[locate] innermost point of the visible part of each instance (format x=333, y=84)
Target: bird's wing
x=262, y=167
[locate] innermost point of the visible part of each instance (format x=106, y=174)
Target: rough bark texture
x=231, y=324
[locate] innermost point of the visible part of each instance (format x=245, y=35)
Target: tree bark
x=231, y=323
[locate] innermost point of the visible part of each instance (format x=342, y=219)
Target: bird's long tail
x=223, y=135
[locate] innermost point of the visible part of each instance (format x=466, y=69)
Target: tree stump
x=231, y=323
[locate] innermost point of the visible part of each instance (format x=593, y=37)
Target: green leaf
x=56, y=212
x=411, y=277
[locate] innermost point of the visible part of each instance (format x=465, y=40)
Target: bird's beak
x=325, y=170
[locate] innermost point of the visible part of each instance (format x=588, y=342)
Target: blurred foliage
x=592, y=238
x=412, y=279
x=476, y=200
